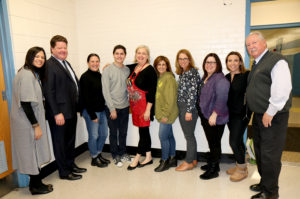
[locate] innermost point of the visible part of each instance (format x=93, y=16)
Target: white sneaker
x=126, y=158
x=118, y=162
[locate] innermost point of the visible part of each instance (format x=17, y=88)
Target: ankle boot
x=163, y=166
x=208, y=166
x=212, y=172
x=97, y=162
x=240, y=173
x=172, y=161
x=231, y=170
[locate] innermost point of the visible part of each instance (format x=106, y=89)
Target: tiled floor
x=144, y=183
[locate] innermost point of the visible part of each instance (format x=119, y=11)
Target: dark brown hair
x=218, y=64
x=57, y=38
x=166, y=60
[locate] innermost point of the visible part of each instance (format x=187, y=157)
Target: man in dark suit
x=61, y=93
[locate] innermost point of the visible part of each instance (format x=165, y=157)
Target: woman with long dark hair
x=28, y=124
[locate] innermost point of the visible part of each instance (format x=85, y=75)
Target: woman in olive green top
x=166, y=111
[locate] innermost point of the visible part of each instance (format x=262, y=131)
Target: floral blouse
x=188, y=87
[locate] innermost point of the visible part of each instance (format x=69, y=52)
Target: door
x=5, y=138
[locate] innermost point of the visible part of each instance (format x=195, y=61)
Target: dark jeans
x=213, y=135
x=237, y=125
x=118, y=131
x=63, y=140
x=144, y=144
x=268, y=145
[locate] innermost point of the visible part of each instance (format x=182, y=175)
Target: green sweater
x=166, y=98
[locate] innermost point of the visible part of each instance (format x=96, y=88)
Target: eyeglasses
x=210, y=62
x=183, y=59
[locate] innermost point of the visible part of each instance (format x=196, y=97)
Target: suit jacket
x=60, y=90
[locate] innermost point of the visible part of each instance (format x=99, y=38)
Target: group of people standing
x=104, y=101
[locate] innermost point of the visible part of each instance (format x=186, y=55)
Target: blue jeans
x=97, y=132
x=167, y=141
x=118, y=131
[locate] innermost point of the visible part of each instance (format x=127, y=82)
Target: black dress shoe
x=98, y=163
x=71, y=176
x=102, y=159
x=263, y=195
x=40, y=190
x=148, y=163
x=76, y=169
x=129, y=168
x=256, y=188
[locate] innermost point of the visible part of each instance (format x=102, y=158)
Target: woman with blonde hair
x=166, y=111
x=189, y=80
x=141, y=86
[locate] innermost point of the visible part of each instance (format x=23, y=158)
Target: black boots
x=207, y=166
x=97, y=162
x=211, y=172
x=164, y=165
x=172, y=161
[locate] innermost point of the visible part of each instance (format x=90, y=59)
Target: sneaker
x=126, y=158
x=117, y=161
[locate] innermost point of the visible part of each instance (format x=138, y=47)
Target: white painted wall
x=164, y=25
x=275, y=12
x=33, y=23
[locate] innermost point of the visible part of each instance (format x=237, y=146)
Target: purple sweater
x=213, y=97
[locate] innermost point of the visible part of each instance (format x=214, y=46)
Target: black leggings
x=35, y=180
x=237, y=127
x=145, y=140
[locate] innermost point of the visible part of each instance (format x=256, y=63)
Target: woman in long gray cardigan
x=28, y=123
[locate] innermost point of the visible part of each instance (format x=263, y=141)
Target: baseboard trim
x=201, y=156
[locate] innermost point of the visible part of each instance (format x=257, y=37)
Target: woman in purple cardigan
x=213, y=111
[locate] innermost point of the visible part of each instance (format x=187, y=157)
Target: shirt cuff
x=272, y=110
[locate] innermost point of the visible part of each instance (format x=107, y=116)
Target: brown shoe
x=231, y=170
x=239, y=174
x=195, y=162
x=185, y=166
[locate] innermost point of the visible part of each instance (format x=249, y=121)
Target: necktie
x=65, y=66
x=253, y=65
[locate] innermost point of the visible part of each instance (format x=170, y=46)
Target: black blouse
x=90, y=95
x=146, y=81
x=236, y=97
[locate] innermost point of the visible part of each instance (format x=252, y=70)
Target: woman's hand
x=95, y=120
x=164, y=120
x=213, y=119
x=37, y=132
x=188, y=116
x=147, y=115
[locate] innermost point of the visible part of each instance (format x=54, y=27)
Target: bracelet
x=35, y=125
